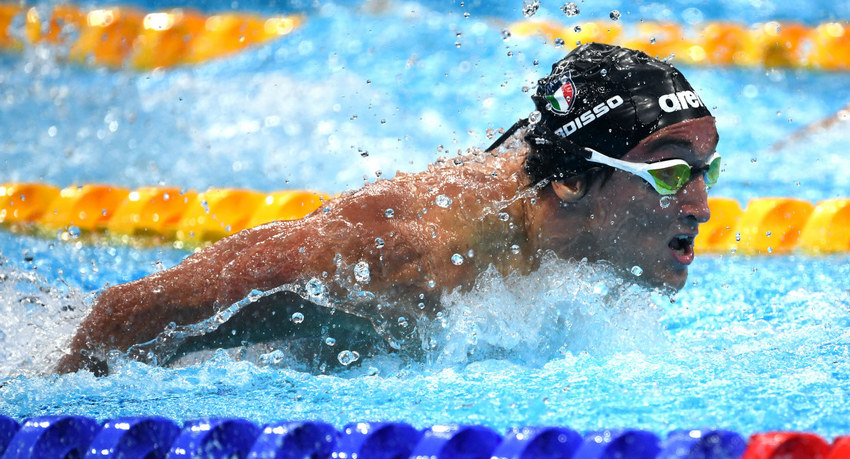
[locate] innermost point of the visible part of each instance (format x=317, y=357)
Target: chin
x=670, y=280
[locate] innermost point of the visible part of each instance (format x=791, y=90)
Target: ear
x=571, y=189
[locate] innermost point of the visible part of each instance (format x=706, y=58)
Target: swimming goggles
x=668, y=176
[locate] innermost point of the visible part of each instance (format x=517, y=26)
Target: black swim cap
x=606, y=98
x=610, y=98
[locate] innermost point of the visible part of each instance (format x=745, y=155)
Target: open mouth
x=683, y=248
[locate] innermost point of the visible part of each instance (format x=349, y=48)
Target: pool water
x=751, y=344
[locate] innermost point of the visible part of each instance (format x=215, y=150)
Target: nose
x=693, y=200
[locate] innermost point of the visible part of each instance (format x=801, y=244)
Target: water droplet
x=665, y=201
x=347, y=357
x=577, y=29
x=770, y=250
x=421, y=305
x=529, y=7
x=570, y=9
x=402, y=322
x=466, y=15
x=515, y=249
x=768, y=234
x=363, y=153
x=503, y=216
x=443, y=201
x=330, y=341
x=637, y=270
x=604, y=72
x=432, y=284
x=506, y=34
x=389, y=213
x=559, y=42
x=379, y=243
x=297, y=318
x=534, y=117
x=754, y=160
x=315, y=288
x=737, y=237
x=73, y=232
x=652, y=40
x=361, y=272
x=457, y=259
x=615, y=15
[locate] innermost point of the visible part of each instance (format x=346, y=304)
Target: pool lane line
x=188, y=218
x=128, y=37
x=722, y=43
x=157, y=436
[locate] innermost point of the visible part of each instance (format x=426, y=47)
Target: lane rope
x=187, y=218
x=126, y=36
x=769, y=44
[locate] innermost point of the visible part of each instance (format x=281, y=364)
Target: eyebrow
x=662, y=142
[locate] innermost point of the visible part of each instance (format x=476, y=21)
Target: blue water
x=751, y=344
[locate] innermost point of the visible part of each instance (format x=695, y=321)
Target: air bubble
x=347, y=357
x=443, y=201
x=297, y=318
x=457, y=259
x=570, y=9
x=637, y=270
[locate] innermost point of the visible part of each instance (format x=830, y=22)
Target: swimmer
x=614, y=164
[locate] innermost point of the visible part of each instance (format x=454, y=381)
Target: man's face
x=636, y=226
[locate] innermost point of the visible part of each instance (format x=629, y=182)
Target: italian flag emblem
x=564, y=97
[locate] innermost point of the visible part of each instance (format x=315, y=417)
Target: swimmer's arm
x=190, y=292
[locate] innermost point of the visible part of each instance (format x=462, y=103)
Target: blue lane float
x=151, y=437
x=134, y=437
x=467, y=442
x=295, y=439
x=8, y=428
x=534, y=442
x=52, y=437
x=215, y=438
x=703, y=443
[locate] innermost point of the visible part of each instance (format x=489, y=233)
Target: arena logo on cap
x=562, y=100
x=681, y=100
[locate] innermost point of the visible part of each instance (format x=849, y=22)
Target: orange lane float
x=770, y=44
x=126, y=36
x=765, y=226
x=771, y=225
x=87, y=207
x=25, y=202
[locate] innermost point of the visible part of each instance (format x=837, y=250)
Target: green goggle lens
x=713, y=172
x=671, y=179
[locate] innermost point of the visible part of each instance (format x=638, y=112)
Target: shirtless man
x=614, y=164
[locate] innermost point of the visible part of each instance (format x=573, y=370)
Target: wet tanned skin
x=628, y=228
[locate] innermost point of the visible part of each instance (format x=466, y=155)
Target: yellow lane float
x=765, y=226
x=126, y=36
